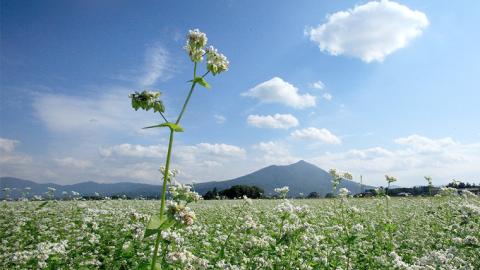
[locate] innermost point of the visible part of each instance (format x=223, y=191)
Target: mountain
x=18, y=186
x=300, y=177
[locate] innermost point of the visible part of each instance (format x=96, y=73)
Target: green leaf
x=153, y=225
x=172, y=126
x=202, y=82
x=42, y=205
x=157, y=224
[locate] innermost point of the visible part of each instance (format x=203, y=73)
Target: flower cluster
x=390, y=179
x=429, y=180
x=147, y=100
x=180, y=213
x=216, y=62
x=196, y=41
x=338, y=176
x=183, y=193
x=343, y=192
x=171, y=173
x=282, y=192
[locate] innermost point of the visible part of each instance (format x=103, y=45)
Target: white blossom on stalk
x=196, y=41
x=390, y=179
x=343, y=192
x=216, y=62
x=282, y=191
x=183, y=193
x=181, y=213
x=171, y=173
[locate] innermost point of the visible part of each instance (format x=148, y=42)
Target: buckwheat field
x=440, y=232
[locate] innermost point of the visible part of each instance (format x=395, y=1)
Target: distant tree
x=239, y=191
x=330, y=195
x=211, y=194
x=313, y=195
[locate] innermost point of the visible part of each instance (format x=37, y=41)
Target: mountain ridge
x=300, y=177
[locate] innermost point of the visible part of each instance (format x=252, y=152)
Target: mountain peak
x=301, y=161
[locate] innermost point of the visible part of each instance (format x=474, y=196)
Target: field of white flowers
x=340, y=233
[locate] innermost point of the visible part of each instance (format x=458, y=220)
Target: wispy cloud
x=157, y=65
x=219, y=119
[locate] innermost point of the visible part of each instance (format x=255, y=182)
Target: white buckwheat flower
x=216, y=62
x=196, y=41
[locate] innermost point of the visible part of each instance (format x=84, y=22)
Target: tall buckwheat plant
x=178, y=214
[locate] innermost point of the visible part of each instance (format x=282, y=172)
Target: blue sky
x=372, y=88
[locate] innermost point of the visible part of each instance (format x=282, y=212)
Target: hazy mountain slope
x=301, y=177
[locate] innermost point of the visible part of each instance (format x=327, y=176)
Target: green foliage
x=238, y=191
x=147, y=100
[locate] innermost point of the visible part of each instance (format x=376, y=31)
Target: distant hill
x=301, y=177
x=17, y=186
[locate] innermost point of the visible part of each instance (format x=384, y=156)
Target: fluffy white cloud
x=281, y=121
x=443, y=159
x=370, y=31
x=73, y=162
x=157, y=65
x=8, y=155
x=311, y=133
x=273, y=153
x=277, y=90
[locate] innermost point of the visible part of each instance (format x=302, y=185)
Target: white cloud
x=277, y=90
x=426, y=145
x=108, y=110
x=202, y=161
x=311, y=133
x=219, y=119
x=443, y=159
x=8, y=155
x=281, y=121
x=327, y=96
x=157, y=65
x=73, y=162
x=220, y=149
x=131, y=150
x=7, y=145
x=318, y=85
x=274, y=153
x=370, y=31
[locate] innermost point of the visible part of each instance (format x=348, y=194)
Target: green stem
x=189, y=95
x=164, y=196
x=167, y=167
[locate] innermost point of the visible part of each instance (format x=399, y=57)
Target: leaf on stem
x=172, y=126
x=157, y=224
x=201, y=81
